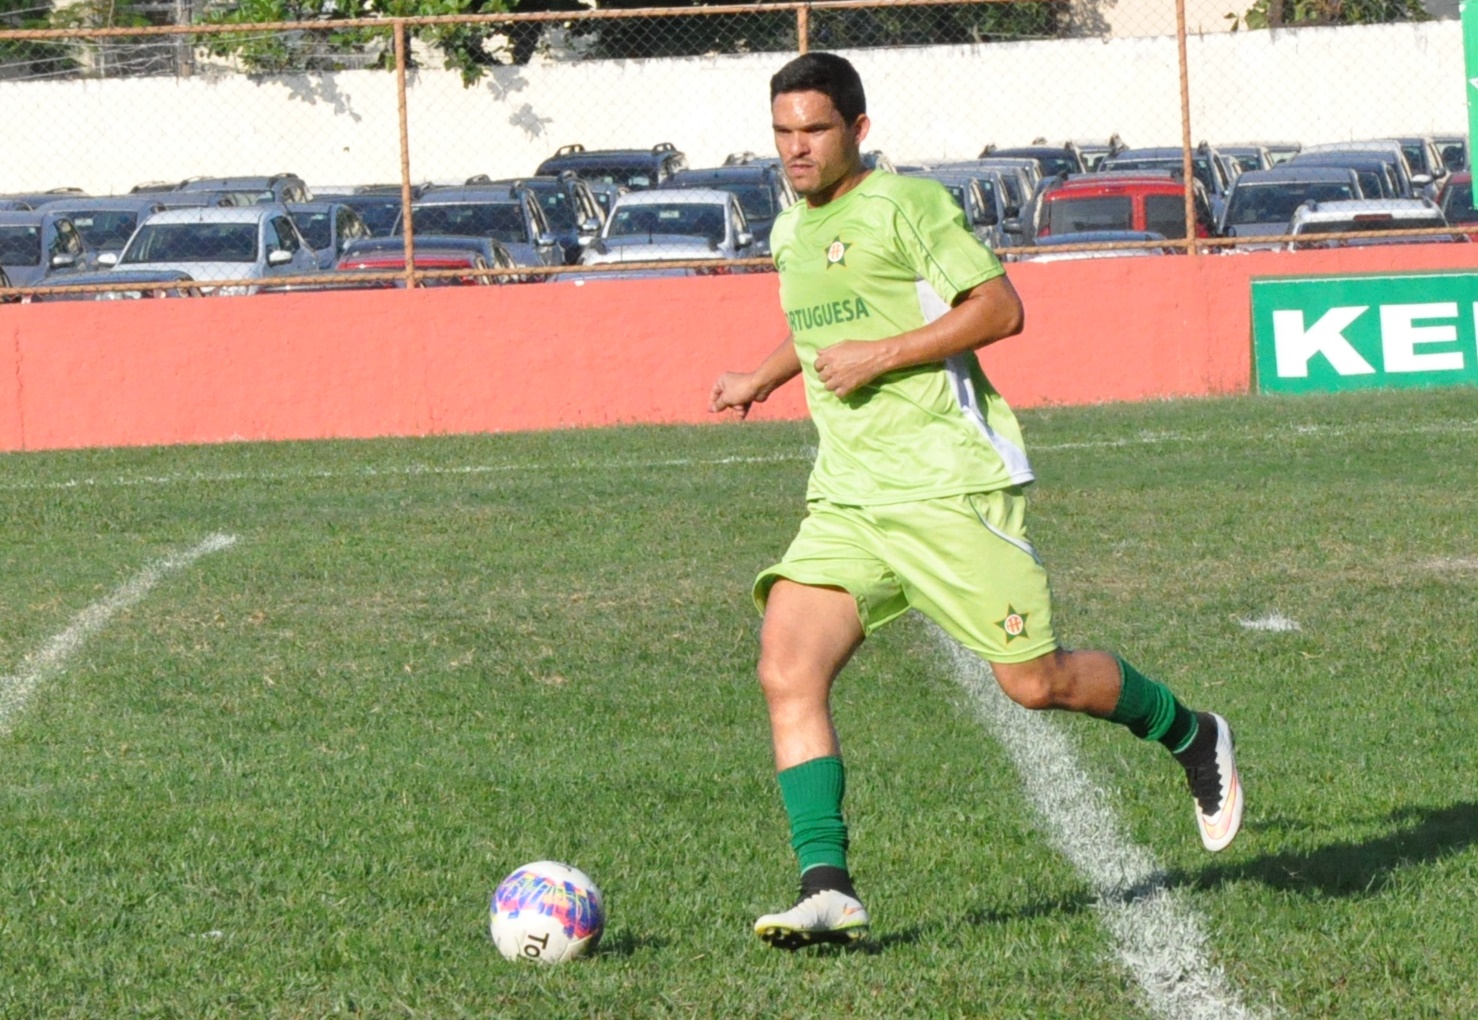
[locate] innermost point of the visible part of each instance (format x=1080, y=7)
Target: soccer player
x=916, y=497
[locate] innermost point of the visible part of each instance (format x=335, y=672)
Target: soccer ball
x=546, y=911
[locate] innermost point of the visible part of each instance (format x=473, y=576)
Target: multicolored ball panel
x=577, y=910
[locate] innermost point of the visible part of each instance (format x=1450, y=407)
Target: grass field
x=283, y=781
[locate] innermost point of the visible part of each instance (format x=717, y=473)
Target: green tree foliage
x=31, y=58
x=472, y=49
x=1296, y=13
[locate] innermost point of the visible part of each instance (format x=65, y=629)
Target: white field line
x=1160, y=940
x=51, y=659
x=404, y=470
x=1290, y=433
x=1274, y=621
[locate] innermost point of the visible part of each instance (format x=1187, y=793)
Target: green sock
x=1151, y=712
x=813, y=792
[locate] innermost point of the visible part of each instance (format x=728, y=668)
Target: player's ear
x=860, y=126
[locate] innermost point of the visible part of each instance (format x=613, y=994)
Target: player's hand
x=846, y=367
x=734, y=390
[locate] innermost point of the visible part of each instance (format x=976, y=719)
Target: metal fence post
x=1187, y=160
x=802, y=29
x=405, y=157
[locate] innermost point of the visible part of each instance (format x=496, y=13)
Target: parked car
x=1205, y=164
x=1095, y=152
x=1109, y=244
x=388, y=253
x=328, y=227
x=36, y=245
x=328, y=280
x=1387, y=150
x=511, y=216
x=1282, y=152
x=1394, y=217
x=220, y=243
x=1119, y=201
x=1454, y=151
x=1457, y=202
x=1377, y=174
x=1262, y=201
x=470, y=266
x=280, y=188
x=635, y=169
x=1249, y=157
x=341, y=192
x=984, y=214
x=1425, y=159
x=570, y=206
x=181, y=284
x=1008, y=187
x=762, y=189
x=105, y=223
x=1053, y=159
x=689, y=223
x=23, y=200
x=606, y=193
x=641, y=273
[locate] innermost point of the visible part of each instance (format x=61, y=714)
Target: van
x=1113, y=201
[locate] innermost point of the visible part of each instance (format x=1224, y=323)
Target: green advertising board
x=1323, y=334
x=1468, y=12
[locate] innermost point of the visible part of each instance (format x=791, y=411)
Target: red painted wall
x=448, y=360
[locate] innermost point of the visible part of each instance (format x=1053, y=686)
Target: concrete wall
x=479, y=359
x=1316, y=84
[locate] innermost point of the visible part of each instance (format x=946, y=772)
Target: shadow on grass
x=1353, y=869
x=977, y=917
x=628, y=943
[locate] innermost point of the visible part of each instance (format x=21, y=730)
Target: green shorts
x=963, y=561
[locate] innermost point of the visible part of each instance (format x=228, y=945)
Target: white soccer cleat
x=822, y=917
x=1217, y=788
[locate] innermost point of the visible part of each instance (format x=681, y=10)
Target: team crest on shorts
x=1014, y=624
x=836, y=253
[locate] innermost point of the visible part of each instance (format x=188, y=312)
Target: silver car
x=221, y=243
x=682, y=224
x=36, y=245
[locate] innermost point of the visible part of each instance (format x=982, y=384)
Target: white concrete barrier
x=1312, y=84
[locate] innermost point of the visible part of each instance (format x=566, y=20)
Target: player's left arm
x=988, y=312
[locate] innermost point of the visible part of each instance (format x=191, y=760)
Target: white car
x=1394, y=218
x=678, y=224
x=254, y=242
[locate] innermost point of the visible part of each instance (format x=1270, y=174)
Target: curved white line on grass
x=43, y=665
x=1160, y=940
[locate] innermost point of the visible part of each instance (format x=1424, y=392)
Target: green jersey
x=889, y=256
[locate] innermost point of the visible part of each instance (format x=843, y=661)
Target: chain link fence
x=269, y=143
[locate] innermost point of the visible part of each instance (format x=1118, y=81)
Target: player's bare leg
x=1075, y=681
x=1104, y=685
x=808, y=635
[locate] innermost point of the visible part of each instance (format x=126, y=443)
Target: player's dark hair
x=827, y=73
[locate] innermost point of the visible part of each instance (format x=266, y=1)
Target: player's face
x=822, y=153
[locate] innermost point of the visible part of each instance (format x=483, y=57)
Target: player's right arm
x=740, y=390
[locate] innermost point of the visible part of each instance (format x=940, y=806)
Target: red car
x=1121, y=201
x=430, y=259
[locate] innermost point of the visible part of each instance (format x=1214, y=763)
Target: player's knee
x=1038, y=684
x=1031, y=692
x=778, y=680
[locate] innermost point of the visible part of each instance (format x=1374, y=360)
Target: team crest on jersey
x=836, y=253
x=1014, y=624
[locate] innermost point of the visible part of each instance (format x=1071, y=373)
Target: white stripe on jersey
x=1018, y=467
